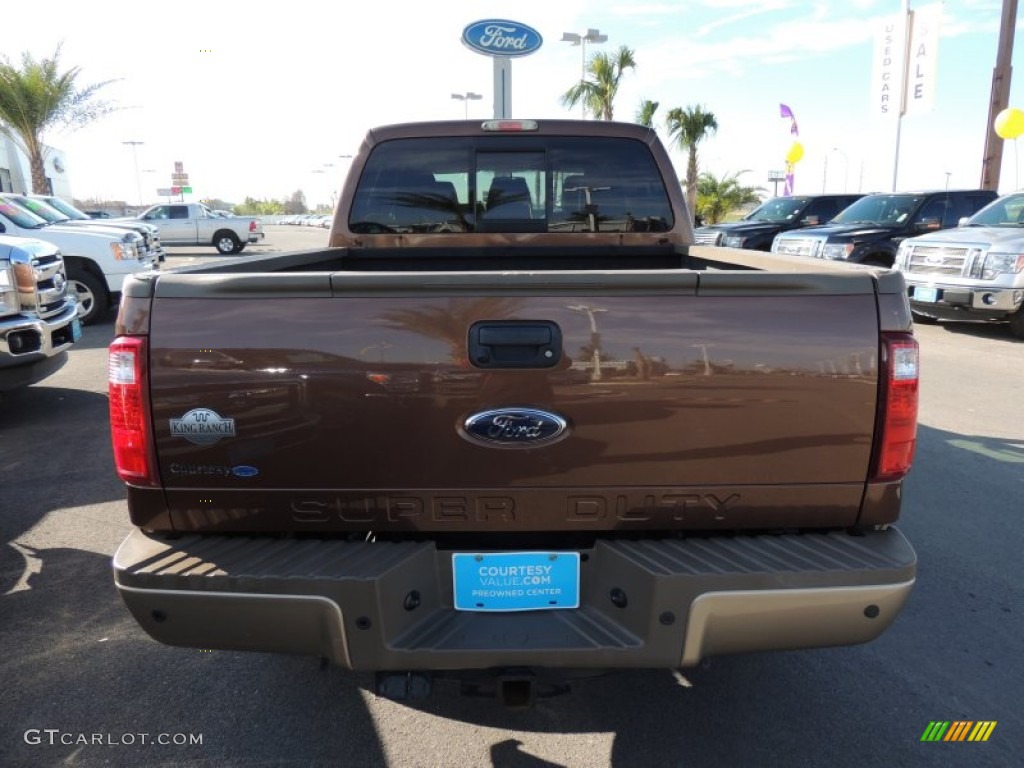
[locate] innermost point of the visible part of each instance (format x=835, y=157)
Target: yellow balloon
x=796, y=153
x=1009, y=123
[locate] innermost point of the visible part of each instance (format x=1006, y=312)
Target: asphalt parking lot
x=76, y=666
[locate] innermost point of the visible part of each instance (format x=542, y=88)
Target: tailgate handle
x=515, y=344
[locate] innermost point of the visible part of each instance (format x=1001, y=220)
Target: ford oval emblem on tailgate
x=514, y=428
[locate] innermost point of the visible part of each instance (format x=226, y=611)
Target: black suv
x=870, y=230
x=758, y=228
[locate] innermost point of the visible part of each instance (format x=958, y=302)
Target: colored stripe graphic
x=982, y=730
x=935, y=731
x=959, y=730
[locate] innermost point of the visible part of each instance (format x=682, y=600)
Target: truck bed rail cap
x=525, y=282
x=260, y=285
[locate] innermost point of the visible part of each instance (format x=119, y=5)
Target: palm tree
x=688, y=128
x=645, y=113
x=449, y=322
x=37, y=98
x=598, y=92
x=718, y=197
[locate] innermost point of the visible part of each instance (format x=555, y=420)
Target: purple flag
x=785, y=111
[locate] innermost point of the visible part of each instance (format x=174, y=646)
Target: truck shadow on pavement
x=54, y=454
x=77, y=662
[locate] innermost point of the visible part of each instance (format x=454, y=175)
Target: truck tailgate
x=349, y=401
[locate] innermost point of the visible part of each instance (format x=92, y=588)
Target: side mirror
x=963, y=221
x=928, y=225
x=811, y=221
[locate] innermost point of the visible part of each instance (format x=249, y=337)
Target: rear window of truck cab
x=511, y=184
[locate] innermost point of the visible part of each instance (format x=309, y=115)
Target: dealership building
x=16, y=174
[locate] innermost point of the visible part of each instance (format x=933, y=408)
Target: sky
x=263, y=100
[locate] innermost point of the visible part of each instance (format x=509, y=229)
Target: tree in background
x=296, y=203
x=716, y=198
x=645, y=113
x=687, y=128
x=254, y=207
x=37, y=98
x=597, y=92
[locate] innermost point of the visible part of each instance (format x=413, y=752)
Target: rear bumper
x=388, y=606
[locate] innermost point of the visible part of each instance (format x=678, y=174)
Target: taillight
x=899, y=373
x=130, y=432
x=252, y=225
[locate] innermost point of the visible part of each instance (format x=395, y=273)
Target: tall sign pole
x=502, y=86
x=992, y=159
x=502, y=40
x=902, y=104
x=906, y=53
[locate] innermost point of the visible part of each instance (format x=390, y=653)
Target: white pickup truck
x=38, y=320
x=973, y=272
x=71, y=216
x=195, y=224
x=97, y=261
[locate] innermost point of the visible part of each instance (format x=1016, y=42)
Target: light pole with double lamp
x=465, y=98
x=138, y=181
x=581, y=39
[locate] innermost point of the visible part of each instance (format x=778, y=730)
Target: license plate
x=516, y=581
x=926, y=294
x=76, y=329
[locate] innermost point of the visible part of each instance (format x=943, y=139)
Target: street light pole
x=138, y=181
x=465, y=98
x=581, y=39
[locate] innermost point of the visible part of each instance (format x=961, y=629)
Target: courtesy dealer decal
x=202, y=426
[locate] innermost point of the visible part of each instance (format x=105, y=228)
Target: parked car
x=71, y=216
x=870, y=230
x=38, y=316
x=974, y=272
x=717, y=471
x=97, y=261
x=758, y=228
x=195, y=224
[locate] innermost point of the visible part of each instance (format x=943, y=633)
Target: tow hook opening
x=515, y=688
x=517, y=692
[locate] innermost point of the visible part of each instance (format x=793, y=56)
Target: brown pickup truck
x=513, y=422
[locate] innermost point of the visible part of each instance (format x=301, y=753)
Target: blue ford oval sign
x=514, y=428
x=500, y=37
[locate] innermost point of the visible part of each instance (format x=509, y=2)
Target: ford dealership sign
x=500, y=37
